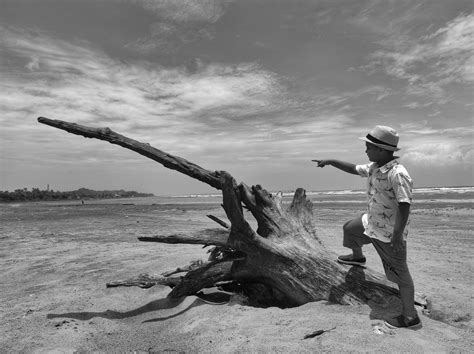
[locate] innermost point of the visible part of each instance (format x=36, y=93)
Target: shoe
x=403, y=322
x=348, y=259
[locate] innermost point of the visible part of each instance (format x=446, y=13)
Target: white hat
x=383, y=137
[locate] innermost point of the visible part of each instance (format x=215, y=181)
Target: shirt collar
x=388, y=166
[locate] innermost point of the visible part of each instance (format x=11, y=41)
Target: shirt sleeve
x=402, y=187
x=363, y=170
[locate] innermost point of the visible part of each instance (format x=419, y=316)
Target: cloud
x=185, y=11
x=454, y=45
x=33, y=64
x=431, y=62
x=171, y=108
x=440, y=154
x=178, y=22
x=216, y=111
x=389, y=18
x=427, y=146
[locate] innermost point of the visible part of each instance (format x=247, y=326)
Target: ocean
x=453, y=195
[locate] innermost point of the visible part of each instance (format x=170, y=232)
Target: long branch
x=146, y=281
x=172, y=162
x=216, y=237
x=219, y=221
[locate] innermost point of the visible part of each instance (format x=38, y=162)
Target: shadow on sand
x=187, y=302
x=157, y=305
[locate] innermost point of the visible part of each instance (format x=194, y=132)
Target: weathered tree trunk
x=282, y=262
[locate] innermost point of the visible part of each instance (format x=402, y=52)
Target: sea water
x=464, y=195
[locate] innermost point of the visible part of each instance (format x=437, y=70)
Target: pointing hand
x=321, y=163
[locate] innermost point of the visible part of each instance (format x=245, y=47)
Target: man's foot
x=403, y=322
x=349, y=259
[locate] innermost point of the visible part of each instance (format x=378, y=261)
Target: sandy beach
x=57, y=257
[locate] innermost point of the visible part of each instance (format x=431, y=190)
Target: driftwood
x=146, y=281
x=203, y=237
x=281, y=263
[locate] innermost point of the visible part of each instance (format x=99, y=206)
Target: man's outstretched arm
x=341, y=165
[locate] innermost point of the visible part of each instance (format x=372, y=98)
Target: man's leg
x=409, y=317
x=354, y=238
x=407, y=295
x=396, y=270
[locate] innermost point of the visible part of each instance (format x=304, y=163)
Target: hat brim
x=382, y=146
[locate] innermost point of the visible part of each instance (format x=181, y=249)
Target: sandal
x=348, y=259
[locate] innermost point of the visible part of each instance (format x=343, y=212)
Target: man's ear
x=388, y=152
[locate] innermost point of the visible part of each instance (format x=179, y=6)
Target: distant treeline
x=35, y=194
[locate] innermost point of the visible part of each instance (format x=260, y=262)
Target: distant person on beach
x=389, y=191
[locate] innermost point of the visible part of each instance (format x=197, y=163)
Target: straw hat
x=384, y=137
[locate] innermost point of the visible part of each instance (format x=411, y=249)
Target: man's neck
x=382, y=162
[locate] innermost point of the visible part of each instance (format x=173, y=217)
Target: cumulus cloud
x=427, y=146
x=436, y=154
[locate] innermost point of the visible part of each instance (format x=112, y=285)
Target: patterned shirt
x=386, y=187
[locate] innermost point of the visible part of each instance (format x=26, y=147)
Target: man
x=389, y=192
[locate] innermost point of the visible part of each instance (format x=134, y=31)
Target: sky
x=257, y=88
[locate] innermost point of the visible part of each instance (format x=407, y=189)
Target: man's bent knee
x=354, y=227
x=354, y=236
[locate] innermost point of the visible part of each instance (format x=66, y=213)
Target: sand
x=56, y=259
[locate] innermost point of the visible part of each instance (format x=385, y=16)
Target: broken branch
x=216, y=237
x=172, y=162
x=146, y=281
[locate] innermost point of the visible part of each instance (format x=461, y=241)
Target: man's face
x=373, y=152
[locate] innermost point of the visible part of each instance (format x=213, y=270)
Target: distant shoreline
x=81, y=194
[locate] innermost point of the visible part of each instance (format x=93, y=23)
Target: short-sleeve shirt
x=387, y=186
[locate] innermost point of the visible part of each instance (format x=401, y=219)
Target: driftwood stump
x=281, y=263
